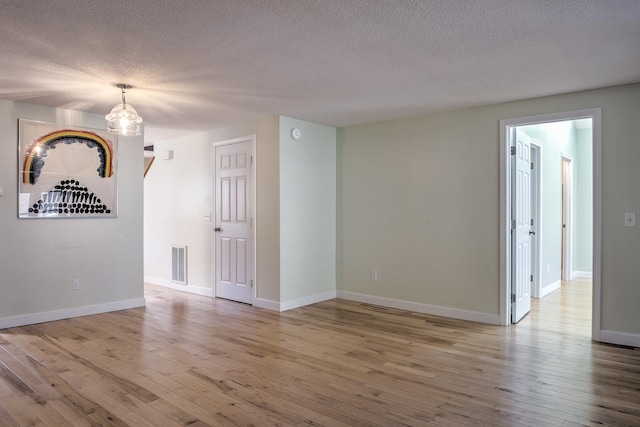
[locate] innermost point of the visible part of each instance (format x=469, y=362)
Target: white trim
x=455, y=313
x=254, y=209
x=308, y=300
x=620, y=338
x=505, y=224
x=550, y=288
x=266, y=304
x=67, y=313
x=596, y=304
x=581, y=275
x=198, y=290
x=567, y=203
x=505, y=203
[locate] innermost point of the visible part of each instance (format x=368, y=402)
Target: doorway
x=234, y=237
x=507, y=273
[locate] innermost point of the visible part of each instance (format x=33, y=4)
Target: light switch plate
x=629, y=219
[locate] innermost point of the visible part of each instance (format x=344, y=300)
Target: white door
x=566, y=266
x=521, y=252
x=233, y=221
x=536, y=216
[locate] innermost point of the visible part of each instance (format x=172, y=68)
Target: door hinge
x=513, y=297
x=251, y=159
x=531, y=166
x=513, y=150
x=250, y=221
x=251, y=283
x=513, y=224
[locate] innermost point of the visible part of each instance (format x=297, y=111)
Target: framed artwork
x=66, y=171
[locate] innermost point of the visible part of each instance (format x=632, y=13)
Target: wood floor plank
x=16, y=407
x=6, y=420
x=187, y=360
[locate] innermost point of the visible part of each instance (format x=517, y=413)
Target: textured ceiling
x=201, y=64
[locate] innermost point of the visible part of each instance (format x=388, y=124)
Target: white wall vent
x=179, y=264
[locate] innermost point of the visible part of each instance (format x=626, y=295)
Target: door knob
x=217, y=229
x=531, y=232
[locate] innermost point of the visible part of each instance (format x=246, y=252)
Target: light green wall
x=39, y=258
x=419, y=206
x=420, y=203
x=307, y=210
x=584, y=205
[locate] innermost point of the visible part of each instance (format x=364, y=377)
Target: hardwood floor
x=187, y=360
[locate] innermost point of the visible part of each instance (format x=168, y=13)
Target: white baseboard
x=550, y=288
x=620, y=338
x=258, y=302
x=311, y=299
x=473, y=316
x=581, y=275
x=67, y=313
x=198, y=290
x=296, y=303
x=267, y=304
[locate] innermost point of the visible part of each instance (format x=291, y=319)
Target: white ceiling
x=201, y=64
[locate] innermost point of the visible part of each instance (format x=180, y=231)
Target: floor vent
x=179, y=264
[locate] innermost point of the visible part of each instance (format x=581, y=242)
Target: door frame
x=536, y=213
x=254, y=262
x=567, y=212
x=505, y=207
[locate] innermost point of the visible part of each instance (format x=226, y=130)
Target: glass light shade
x=124, y=120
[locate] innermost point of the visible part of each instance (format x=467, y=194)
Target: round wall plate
x=295, y=133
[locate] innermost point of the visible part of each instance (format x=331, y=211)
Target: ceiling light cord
x=123, y=87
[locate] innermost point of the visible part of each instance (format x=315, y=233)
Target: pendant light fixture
x=123, y=118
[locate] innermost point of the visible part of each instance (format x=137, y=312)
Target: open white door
x=521, y=228
x=536, y=217
x=567, y=217
x=233, y=245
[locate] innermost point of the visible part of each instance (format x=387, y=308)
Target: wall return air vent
x=179, y=264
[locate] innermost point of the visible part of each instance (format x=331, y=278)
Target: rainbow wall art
x=34, y=157
x=66, y=171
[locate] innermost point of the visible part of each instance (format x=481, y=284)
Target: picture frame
x=66, y=171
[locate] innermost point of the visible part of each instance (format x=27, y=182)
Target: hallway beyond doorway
x=565, y=311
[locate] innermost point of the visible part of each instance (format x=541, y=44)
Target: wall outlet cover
x=629, y=219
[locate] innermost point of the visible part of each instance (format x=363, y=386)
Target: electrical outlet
x=374, y=275
x=75, y=285
x=629, y=219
